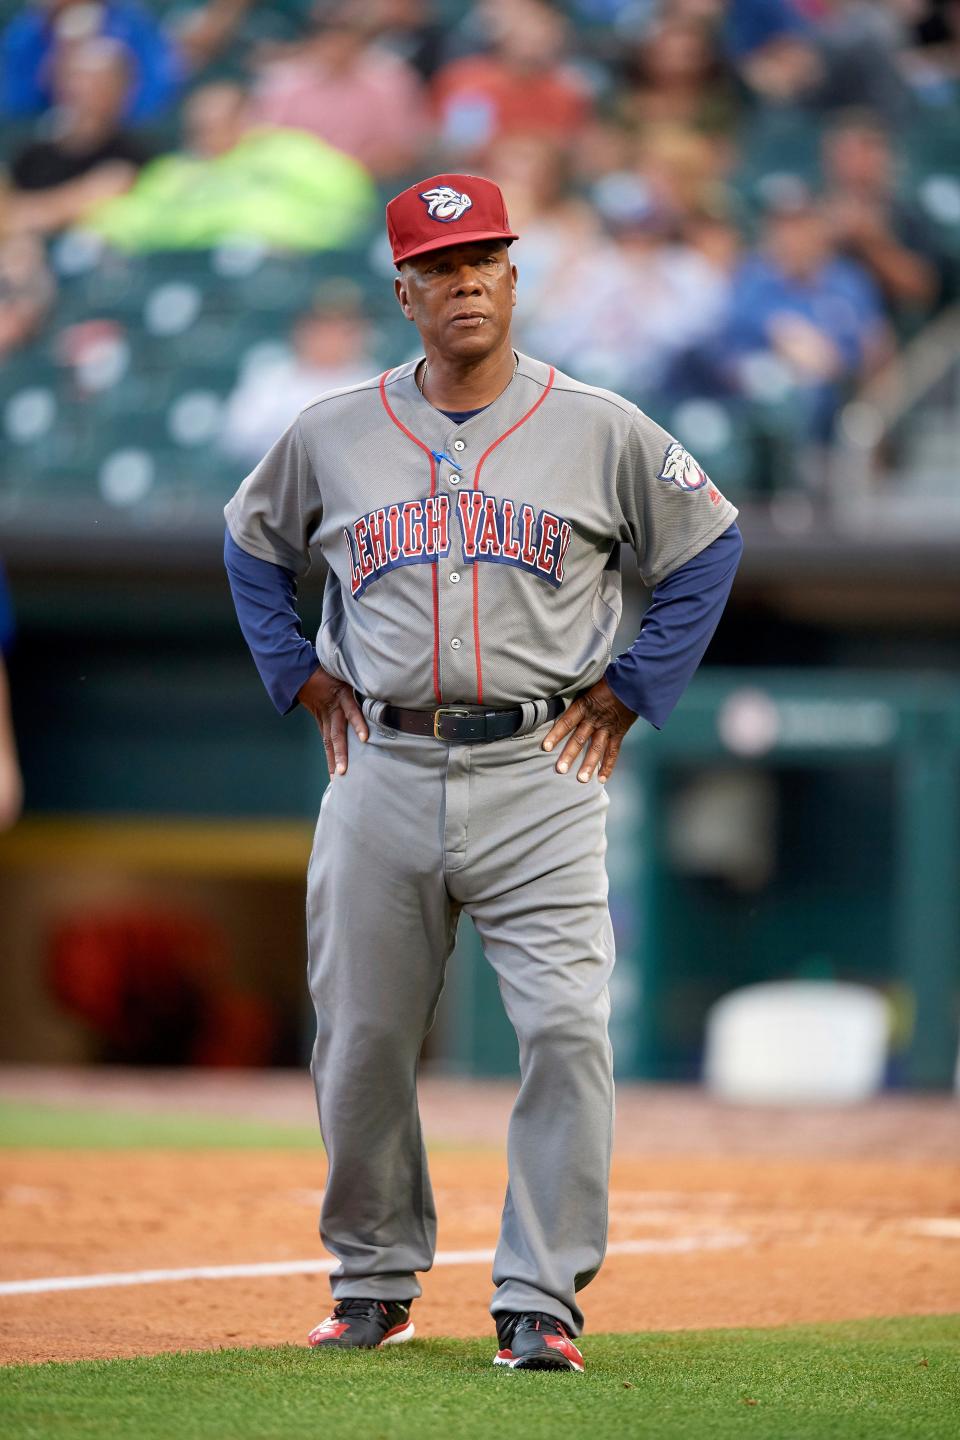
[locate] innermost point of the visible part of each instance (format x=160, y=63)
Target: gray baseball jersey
x=474, y=563
x=470, y=563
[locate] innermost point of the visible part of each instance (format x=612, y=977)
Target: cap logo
x=444, y=203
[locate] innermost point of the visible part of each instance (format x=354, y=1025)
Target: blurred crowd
x=710, y=193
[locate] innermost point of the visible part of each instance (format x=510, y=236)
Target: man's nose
x=467, y=281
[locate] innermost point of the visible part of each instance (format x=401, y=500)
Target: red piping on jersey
x=476, y=485
x=433, y=490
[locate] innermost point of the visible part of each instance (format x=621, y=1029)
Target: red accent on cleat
x=329, y=1329
x=397, y=1330
x=566, y=1347
x=536, y=1342
x=355, y=1325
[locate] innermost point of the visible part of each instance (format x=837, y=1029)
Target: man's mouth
x=468, y=320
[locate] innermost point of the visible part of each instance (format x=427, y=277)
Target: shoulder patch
x=679, y=468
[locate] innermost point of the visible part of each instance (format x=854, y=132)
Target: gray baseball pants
x=415, y=832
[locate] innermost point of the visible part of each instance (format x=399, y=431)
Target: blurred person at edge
x=819, y=55
x=414, y=30
x=329, y=348
x=675, y=73
x=11, y=782
x=284, y=188
x=343, y=86
x=628, y=309
x=804, y=323
x=556, y=225
x=870, y=223
x=31, y=41
x=521, y=86
x=26, y=290
x=685, y=170
x=932, y=65
x=89, y=156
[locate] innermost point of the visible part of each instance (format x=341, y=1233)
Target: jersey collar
x=434, y=428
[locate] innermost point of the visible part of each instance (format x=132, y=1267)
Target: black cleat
x=534, y=1341
x=363, y=1325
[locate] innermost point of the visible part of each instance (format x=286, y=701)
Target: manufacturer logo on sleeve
x=680, y=468
x=445, y=204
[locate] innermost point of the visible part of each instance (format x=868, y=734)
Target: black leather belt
x=462, y=724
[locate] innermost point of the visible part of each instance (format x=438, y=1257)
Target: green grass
x=863, y=1380
x=24, y=1123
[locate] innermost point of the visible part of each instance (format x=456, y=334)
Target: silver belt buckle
x=442, y=710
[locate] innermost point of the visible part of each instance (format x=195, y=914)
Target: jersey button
x=455, y=478
x=455, y=643
x=455, y=578
x=459, y=444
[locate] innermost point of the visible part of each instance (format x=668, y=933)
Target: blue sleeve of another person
x=23, y=45
x=856, y=314
x=160, y=70
x=6, y=615
x=264, y=596
x=684, y=612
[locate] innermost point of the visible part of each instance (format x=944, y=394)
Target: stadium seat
x=722, y=437
x=29, y=368
x=774, y=143
x=194, y=417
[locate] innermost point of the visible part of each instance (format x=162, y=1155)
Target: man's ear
x=513, y=284
x=400, y=289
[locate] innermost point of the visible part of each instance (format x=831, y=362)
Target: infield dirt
x=870, y=1227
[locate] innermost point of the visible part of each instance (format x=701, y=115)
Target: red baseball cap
x=446, y=210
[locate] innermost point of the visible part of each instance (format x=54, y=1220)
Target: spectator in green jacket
x=283, y=187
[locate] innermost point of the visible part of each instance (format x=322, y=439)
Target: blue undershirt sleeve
x=264, y=596
x=684, y=612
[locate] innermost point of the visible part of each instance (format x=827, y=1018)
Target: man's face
x=90, y=81
x=215, y=119
x=859, y=157
x=799, y=242
x=460, y=298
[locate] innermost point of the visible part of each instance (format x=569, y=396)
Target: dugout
x=785, y=824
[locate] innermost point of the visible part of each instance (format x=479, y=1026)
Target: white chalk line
x=945, y=1227
x=269, y=1269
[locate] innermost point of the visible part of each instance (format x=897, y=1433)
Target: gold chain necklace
x=423, y=378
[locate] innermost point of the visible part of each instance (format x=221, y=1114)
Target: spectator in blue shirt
x=820, y=56
x=11, y=784
x=31, y=39
x=801, y=318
